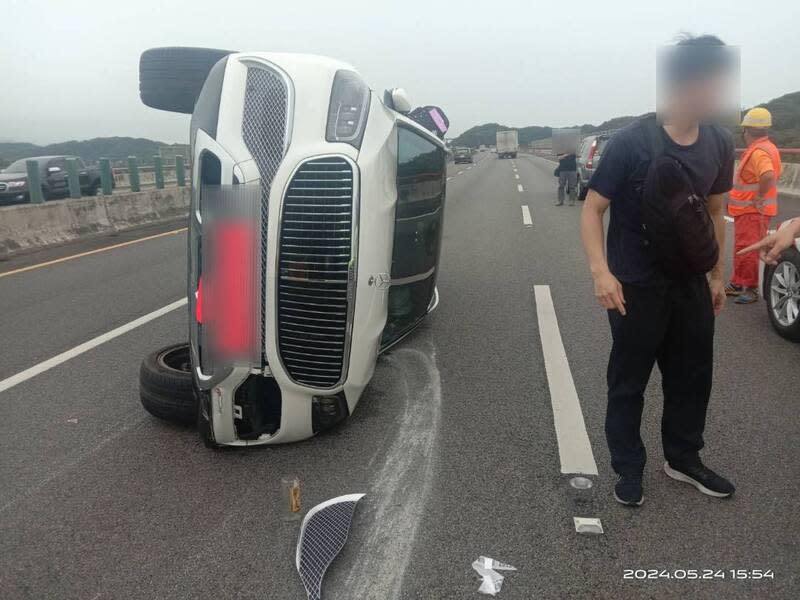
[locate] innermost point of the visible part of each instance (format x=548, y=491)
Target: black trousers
x=673, y=325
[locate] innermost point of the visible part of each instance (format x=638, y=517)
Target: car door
x=421, y=176
x=56, y=177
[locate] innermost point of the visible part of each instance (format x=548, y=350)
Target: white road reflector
x=574, y=448
x=519, y=187
x=86, y=346
x=526, y=216
x=588, y=525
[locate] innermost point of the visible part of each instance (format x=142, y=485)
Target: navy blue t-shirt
x=620, y=176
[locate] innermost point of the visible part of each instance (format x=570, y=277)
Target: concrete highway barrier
x=30, y=226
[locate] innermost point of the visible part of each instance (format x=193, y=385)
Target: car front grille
x=316, y=266
x=264, y=131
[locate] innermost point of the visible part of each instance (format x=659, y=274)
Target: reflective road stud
x=73, y=179
x=34, y=182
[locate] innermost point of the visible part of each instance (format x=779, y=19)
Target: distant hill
x=115, y=148
x=785, y=130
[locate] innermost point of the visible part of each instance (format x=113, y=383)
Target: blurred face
x=698, y=83
x=702, y=99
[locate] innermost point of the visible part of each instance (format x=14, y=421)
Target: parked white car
x=314, y=238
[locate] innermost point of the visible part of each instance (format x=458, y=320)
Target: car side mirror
x=54, y=169
x=400, y=100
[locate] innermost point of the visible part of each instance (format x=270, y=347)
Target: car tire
x=166, y=389
x=172, y=78
x=776, y=288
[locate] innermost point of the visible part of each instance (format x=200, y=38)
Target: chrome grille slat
x=314, y=262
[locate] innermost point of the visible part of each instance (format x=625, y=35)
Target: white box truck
x=507, y=144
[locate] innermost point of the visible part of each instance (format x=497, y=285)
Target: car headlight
x=15, y=184
x=347, y=112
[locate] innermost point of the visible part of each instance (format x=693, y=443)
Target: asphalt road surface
x=456, y=442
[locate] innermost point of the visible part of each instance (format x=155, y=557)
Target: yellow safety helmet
x=757, y=117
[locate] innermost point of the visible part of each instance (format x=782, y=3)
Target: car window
x=420, y=174
x=58, y=162
x=80, y=163
x=601, y=144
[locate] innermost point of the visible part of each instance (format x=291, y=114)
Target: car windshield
x=18, y=166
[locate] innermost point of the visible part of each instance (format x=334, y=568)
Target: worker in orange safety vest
x=753, y=201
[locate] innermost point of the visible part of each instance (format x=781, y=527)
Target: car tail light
x=592, y=150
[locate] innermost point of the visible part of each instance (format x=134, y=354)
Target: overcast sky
x=69, y=69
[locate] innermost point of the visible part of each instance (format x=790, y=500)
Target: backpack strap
x=654, y=136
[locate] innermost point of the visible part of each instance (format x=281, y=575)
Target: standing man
x=753, y=201
x=655, y=318
x=567, y=177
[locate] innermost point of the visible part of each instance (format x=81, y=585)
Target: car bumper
x=13, y=197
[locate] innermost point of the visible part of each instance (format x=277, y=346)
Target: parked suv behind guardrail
x=53, y=175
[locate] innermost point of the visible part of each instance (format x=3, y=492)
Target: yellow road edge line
x=90, y=252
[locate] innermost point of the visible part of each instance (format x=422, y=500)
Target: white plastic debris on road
x=487, y=568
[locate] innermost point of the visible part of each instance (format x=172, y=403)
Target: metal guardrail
x=129, y=177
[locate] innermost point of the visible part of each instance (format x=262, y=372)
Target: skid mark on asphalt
x=132, y=420
x=574, y=448
x=394, y=505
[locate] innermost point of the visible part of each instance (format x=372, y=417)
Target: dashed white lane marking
x=86, y=346
x=516, y=175
x=519, y=187
x=468, y=168
x=459, y=173
x=574, y=448
x=449, y=178
x=526, y=216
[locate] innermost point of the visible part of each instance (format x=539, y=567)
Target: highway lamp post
x=158, y=171
x=133, y=174
x=106, y=179
x=34, y=182
x=180, y=173
x=73, y=179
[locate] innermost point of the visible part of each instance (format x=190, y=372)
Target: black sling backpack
x=677, y=225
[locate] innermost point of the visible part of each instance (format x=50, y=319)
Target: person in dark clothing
x=567, y=178
x=655, y=318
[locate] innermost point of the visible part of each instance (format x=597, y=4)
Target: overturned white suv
x=314, y=235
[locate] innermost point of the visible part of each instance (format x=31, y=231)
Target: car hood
x=13, y=176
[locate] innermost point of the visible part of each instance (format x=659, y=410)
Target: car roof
x=50, y=157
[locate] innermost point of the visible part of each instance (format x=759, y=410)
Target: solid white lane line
x=86, y=346
x=526, y=216
x=519, y=187
x=574, y=448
